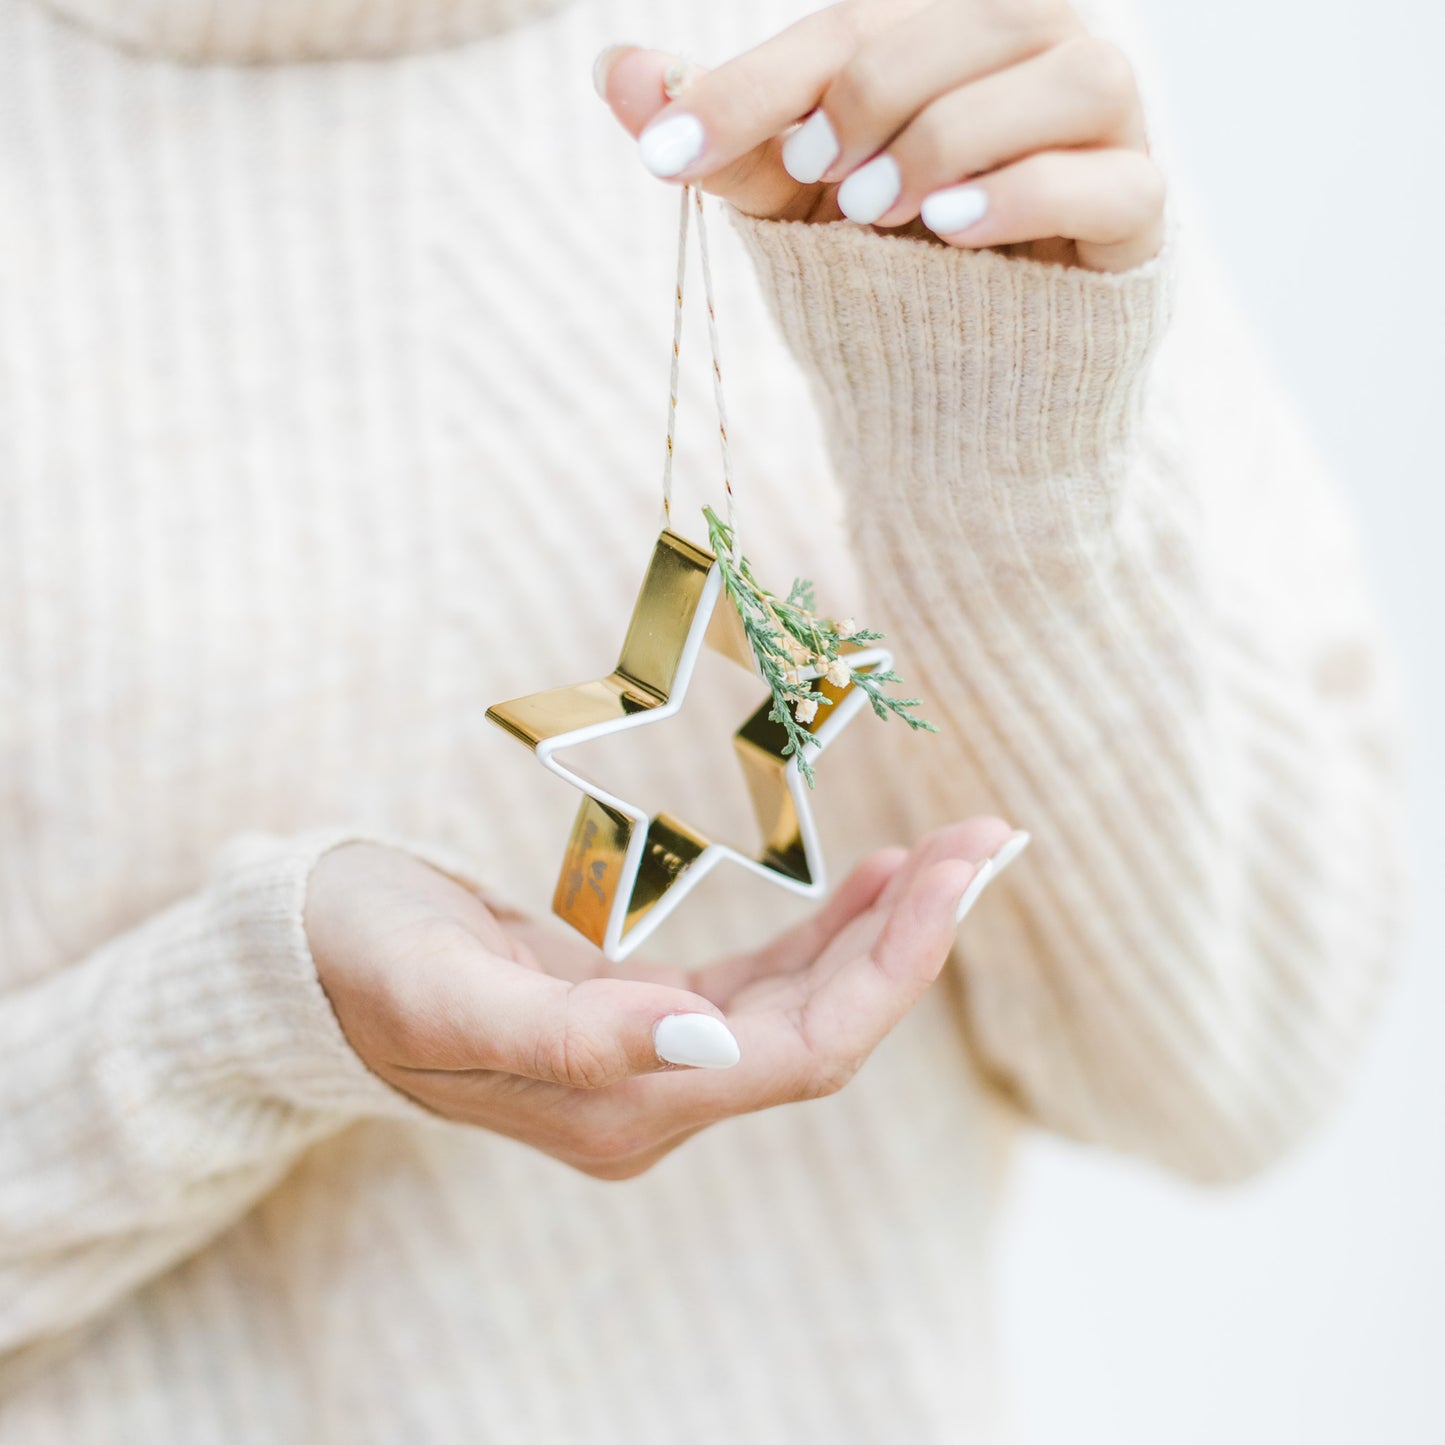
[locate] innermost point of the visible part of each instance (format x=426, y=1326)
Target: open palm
x=494, y=1019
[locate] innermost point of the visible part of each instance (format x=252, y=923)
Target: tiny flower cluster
x=794, y=645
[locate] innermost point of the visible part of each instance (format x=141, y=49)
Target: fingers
x=974, y=839
x=634, y=85
x=633, y=81
x=876, y=881
x=1078, y=94
x=728, y=112
x=812, y=1051
x=907, y=65
x=800, y=946
x=884, y=967
x=1110, y=202
x=879, y=986
x=915, y=107
x=809, y=1041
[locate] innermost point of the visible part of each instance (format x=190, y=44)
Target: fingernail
x=671, y=145
x=697, y=1040
x=602, y=67
x=990, y=868
x=870, y=190
x=945, y=213
x=976, y=885
x=1011, y=850
x=811, y=149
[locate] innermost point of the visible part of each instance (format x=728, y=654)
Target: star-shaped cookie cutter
x=624, y=872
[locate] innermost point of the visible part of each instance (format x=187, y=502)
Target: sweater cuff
x=240, y=964
x=938, y=365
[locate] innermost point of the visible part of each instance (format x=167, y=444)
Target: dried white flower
x=805, y=709
x=847, y=627
x=839, y=673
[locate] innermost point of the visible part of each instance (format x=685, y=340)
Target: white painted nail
x=976, y=885
x=602, y=67
x=1011, y=850
x=671, y=145
x=945, y=213
x=870, y=190
x=811, y=149
x=990, y=868
x=697, y=1040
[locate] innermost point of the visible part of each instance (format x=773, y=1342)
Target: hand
x=997, y=122
x=490, y=1019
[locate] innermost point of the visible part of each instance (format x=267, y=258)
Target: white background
x=1308, y=1306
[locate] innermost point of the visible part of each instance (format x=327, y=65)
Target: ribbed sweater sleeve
x=156, y=1088
x=1134, y=610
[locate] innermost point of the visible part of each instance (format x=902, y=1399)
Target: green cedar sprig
x=790, y=640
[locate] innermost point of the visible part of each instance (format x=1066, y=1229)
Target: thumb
x=456, y=1006
x=484, y=1014
x=604, y=1030
x=638, y=83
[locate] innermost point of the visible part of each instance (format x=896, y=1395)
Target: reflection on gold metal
x=624, y=872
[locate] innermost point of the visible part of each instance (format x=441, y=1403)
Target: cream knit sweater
x=330, y=409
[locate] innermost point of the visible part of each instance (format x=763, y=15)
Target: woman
x=332, y=360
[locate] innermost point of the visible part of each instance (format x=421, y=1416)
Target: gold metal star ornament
x=624, y=872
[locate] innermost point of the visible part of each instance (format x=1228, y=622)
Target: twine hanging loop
x=691, y=198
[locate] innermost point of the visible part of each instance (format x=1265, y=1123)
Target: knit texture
x=331, y=406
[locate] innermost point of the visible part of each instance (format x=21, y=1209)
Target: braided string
x=676, y=355
x=692, y=195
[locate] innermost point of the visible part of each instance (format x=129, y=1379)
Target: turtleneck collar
x=276, y=31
